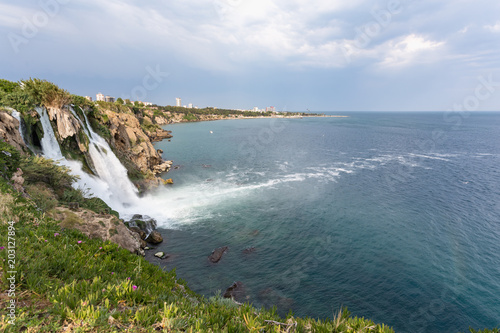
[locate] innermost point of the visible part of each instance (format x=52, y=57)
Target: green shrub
x=39, y=169
x=9, y=160
x=42, y=195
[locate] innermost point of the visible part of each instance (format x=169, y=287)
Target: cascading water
x=107, y=188
x=17, y=115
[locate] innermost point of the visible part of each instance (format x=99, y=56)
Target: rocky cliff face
x=67, y=126
x=128, y=137
x=9, y=131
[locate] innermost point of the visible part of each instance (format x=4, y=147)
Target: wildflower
x=103, y=290
x=46, y=240
x=112, y=273
x=56, y=234
x=2, y=247
x=128, y=278
x=100, y=247
x=79, y=242
x=134, y=287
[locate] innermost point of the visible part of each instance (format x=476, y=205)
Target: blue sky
x=295, y=55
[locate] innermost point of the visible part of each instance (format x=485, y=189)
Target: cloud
x=409, y=50
x=493, y=28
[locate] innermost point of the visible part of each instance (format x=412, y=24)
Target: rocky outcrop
x=128, y=137
x=9, y=131
x=216, y=255
x=105, y=227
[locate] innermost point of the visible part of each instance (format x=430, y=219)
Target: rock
x=154, y=237
x=236, y=292
x=249, y=250
x=160, y=255
x=168, y=181
x=206, y=165
x=160, y=151
x=216, y=255
x=94, y=225
x=163, y=167
x=9, y=131
x=147, y=248
x=141, y=232
x=73, y=206
x=18, y=181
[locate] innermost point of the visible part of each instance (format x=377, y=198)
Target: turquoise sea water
x=394, y=215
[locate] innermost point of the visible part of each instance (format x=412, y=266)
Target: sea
x=394, y=215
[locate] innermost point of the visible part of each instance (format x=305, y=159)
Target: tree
x=119, y=101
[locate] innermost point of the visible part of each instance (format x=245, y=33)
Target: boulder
x=94, y=225
x=160, y=254
x=168, y=181
x=216, y=255
x=154, y=237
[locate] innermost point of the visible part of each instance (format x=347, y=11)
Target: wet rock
x=154, y=237
x=236, y=292
x=141, y=232
x=168, y=181
x=216, y=255
x=160, y=255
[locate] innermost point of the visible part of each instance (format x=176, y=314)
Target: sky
x=336, y=55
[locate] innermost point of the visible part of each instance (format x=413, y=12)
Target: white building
x=100, y=97
x=178, y=102
x=190, y=105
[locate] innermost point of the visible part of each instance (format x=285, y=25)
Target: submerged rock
x=270, y=297
x=249, y=250
x=216, y=255
x=236, y=292
x=154, y=237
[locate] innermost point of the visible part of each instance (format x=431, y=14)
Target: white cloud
x=493, y=28
x=409, y=50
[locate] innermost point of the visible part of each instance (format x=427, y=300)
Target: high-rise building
x=178, y=101
x=100, y=97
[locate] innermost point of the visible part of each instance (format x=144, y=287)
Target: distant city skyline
x=337, y=55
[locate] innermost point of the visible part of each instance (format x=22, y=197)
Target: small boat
x=211, y=132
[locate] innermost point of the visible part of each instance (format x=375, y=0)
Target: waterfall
x=112, y=184
x=17, y=115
